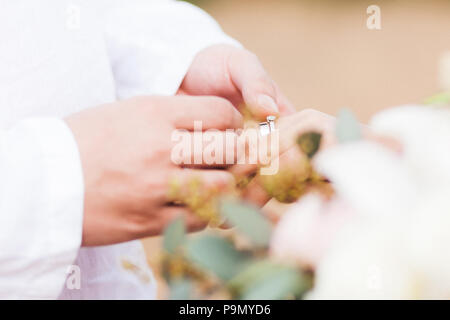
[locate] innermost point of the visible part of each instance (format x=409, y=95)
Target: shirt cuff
x=53, y=228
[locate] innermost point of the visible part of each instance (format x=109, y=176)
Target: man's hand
x=125, y=150
x=238, y=76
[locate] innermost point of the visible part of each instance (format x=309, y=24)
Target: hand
x=125, y=150
x=289, y=155
x=238, y=76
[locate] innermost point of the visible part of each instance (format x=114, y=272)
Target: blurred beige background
x=323, y=56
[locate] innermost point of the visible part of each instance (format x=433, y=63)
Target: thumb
x=257, y=88
x=260, y=98
x=259, y=92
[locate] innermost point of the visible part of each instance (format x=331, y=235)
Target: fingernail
x=267, y=103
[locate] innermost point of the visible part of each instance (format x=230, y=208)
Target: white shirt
x=58, y=57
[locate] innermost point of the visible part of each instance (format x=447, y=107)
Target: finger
x=255, y=192
x=185, y=182
x=257, y=88
x=164, y=216
x=170, y=212
x=254, y=152
x=210, y=112
x=209, y=149
x=291, y=127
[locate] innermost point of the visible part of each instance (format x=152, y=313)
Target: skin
x=237, y=75
x=125, y=146
x=125, y=152
x=290, y=127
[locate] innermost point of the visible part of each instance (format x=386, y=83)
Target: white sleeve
x=152, y=43
x=41, y=208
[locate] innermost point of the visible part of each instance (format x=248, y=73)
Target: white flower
x=398, y=243
x=424, y=133
x=371, y=178
x=366, y=262
x=307, y=230
x=427, y=241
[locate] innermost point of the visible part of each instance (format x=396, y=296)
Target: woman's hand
x=289, y=154
x=238, y=76
x=125, y=150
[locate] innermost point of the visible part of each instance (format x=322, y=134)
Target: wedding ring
x=271, y=121
x=265, y=128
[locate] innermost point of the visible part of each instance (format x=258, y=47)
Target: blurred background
x=323, y=56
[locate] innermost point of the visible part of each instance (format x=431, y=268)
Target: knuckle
x=225, y=110
x=310, y=113
x=144, y=104
x=223, y=178
x=144, y=226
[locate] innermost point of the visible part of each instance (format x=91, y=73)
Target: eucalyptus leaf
x=309, y=143
x=248, y=220
x=174, y=235
x=216, y=255
x=255, y=271
x=278, y=285
x=180, y=289
x=268, y=280
x=347, y=127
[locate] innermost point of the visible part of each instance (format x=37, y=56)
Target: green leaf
x=442, y=98
x=347, y=127
x=309, y=143
x=267, y=280
x=248, y=220
x=180, y=289
x=253, y=272
x=278, y=285
x=216, y=255
x=174, y=235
